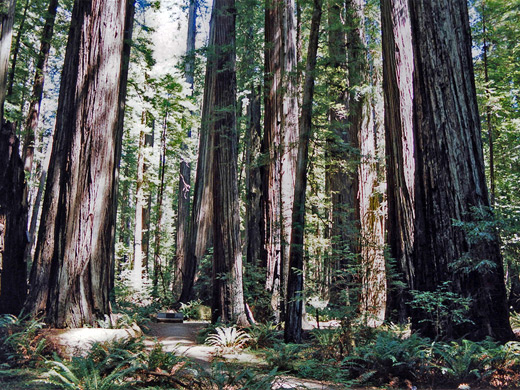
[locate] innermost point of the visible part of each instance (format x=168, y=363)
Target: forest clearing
x=248, y=194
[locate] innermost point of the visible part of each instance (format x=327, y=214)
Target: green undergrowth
x=388, y=357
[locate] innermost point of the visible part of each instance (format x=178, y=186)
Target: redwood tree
x=220, y=118
x=279, y=143
x=449, y=176
x=13, y=211
x=71, y=270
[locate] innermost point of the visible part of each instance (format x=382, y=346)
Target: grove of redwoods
x=359, y=157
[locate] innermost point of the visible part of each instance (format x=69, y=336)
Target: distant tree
x=69, y=283
x=295, y=297
x=183, y=207
x=279, y=143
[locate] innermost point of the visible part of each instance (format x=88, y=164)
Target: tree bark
x=255, y=252
x=183, y=213
x=33, y=113
x=279, y=143
x=449, y=174
x=13, y=222
x=450, y=171
x=400, y=169
x=71, y=271
x=295, y=298
x=220, y=119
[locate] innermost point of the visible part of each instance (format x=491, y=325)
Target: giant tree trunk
x=279, y=144
x=220, y=119
x=450, y=172
x=13, y=222
x=71, y=271
x=295, y=298
x=398, y=94
x=13, y=212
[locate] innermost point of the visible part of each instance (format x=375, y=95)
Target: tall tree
x=219, y=116
x=294, y=311
x=183, y=213
x=397, y=86
x=279, y=144
x=33, y=113
x=13, y=212
x=449, y=177
x=71, y=270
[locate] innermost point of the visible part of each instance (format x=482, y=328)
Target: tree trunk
x=254, y=197
x=295, y=298
x=13, y=222
x=183, y=213
x=157, y=266
x=6, y=36
x=127, y=47
x=147, y=206
x=33, y=113
x=70, y=275
x=397, y=86
x=449, y=175
x=220, y=118
x=279, y=144
x=450, y=171
x=137, y=269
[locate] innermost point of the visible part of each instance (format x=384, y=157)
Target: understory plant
x=228, y=339
x=21, y=342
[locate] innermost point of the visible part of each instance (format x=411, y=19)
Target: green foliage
x=195, y=310
x=460, y=361
x=228, y=339
x=223, y=376
x=264, y=335
x=85, y=374
x=441, y=307
x=390, y=355
x=283, y=356
x=21, y=342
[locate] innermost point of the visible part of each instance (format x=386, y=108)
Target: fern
x=228, y=338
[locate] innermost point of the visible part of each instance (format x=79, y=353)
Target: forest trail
x=181, y=338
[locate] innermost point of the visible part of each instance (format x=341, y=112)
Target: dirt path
x=181, y=338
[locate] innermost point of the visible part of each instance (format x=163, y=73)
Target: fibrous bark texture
x=398, y=95
x=70, y=275
x=294, y=311
x=280, y=142
x=448, y=168
x=13, y=223
x=220, y=119
x=450, y=171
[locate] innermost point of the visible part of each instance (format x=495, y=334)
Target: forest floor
x=181, y=338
